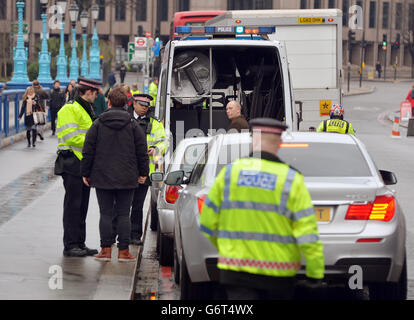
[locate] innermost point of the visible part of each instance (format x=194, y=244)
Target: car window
x=231, y=152
x=325, y=159
x=199, y=166
x=191, y=155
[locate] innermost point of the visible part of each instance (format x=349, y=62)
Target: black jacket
x=28, y=119
x=57, y=99
x=115, y=152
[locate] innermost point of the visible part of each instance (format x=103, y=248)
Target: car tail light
x=365, y=240
x=171, y=193
x=200, y=202
x=382, y=209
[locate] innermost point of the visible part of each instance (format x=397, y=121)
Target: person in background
x=111, y=79
x=43, y=98
x=153, y=90
x=115, y=162
x=57, y=100
x=378, y=69
x=122, y=72
x=68, y=92
x=100, y=103
x=410, y=97
x=336, y=123
x=30, y=104
x=134, y=89
x=74, y=120
x=238, y=121
x=130, y=101
x=74, y=93
x=260, y=247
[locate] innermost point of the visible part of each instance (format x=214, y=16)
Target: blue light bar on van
x=235, y=30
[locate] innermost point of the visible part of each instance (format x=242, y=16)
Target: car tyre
x=166, y=250
x=390, y=290
x=188, y=289
x=154, y=216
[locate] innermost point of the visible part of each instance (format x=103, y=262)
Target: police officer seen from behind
x=57, y=100
x=115, y=161
x=259, y=215
x=74, y=120
x=336, y=123
x=155, y=132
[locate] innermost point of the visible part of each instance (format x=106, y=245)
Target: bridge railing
x=10, y=102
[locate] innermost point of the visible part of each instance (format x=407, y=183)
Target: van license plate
x=323, y=214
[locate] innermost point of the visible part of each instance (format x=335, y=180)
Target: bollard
x=410, y=131
x=396, y=128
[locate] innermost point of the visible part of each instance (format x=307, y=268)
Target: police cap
x=267, y=125
x=143, y=99
x=90, y=83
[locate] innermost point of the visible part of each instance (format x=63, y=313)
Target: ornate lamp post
x=44, y=54
x=74, y=62
x=62, y=60
x=84, y=17
x=95, y=52
x=20, y=52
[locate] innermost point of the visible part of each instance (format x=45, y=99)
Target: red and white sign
x=140, y=42
x=148, y=34
x=405, y=110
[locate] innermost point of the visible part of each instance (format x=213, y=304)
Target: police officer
x=155, y=132
x=336, y=123
x=153, y=90
x=74, y=120
x=259, y=215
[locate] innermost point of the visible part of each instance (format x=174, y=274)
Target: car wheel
x=154, y=216
x=176, y=266
x=390, y=290
x=166, y=250
x=188, y=289
x=158, y=241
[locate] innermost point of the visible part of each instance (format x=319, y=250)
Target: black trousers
x=114, y=206
x=244, y=293
x=53, y=116
x=75, y=209
x=136, y=211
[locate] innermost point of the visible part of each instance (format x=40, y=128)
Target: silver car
x=361, y=224
x=184, y=158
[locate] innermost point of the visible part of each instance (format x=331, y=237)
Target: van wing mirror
x=388, y=177
x=175, y=178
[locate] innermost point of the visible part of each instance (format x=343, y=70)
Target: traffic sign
x=148, y=34
x=140, y=42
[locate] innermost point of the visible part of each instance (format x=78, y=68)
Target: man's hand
x=141, y=180
x=151, y=151
x=86, y=181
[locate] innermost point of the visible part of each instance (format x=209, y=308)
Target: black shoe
x=34, y=145
x=53, y=133
x=136, y=242
x=90, y=252
x=29, y=145
x=75, y=252
x=40, y=136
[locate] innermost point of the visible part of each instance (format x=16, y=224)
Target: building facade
x=121, y=20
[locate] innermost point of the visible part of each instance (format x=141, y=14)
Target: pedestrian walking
x=30, y=105
x=156, y=142
x=43, y=98
x=378, y=69
x=336, y=123
x=74, y=92
x=111, y=79
x=100, y=104
x=115, y=162
x=122, y=72
x=259, y=215
x=410, y=97
x=238, y=121
x=74, y=120
x=57, y=101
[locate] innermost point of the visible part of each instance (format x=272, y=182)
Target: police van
x=210, y=66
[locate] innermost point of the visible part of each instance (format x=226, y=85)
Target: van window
x=163, y=95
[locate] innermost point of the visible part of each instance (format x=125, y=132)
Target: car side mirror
x=175, y=178
x=157, y=177
x=388, y=177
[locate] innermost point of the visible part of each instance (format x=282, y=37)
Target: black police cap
x=90, y=83
x=143, y=98
x=268, y=125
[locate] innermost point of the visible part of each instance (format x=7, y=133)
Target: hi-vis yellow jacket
x=259, y=216
x=156, y=138
x=152, y=91
x=73, y=122
x=336, y=126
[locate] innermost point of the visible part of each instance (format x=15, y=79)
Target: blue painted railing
x=10, y=99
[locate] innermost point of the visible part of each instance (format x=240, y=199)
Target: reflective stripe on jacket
x=158, y=140
x=259, y=216
x=336, y=126
x=73, y=122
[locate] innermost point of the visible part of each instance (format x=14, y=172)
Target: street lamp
x=95, y=52
x=44, y=54
x=84, y=17
x=74, y=63
x=20, y=52
x=62, y=61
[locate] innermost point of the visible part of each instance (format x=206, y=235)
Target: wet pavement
x=32, y=264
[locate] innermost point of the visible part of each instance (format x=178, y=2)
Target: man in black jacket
x=115, y=162
x=57, y=100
